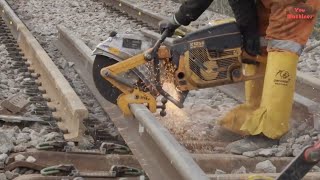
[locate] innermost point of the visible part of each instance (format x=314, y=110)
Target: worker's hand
x=171, y=25
x=251, y=44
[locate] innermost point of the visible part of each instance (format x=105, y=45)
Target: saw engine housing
x=208, y=57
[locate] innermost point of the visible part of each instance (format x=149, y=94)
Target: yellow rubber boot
x=272, y=117
x=234, y=119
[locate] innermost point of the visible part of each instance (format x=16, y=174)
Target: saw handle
x=156, y=47
x=153, y=55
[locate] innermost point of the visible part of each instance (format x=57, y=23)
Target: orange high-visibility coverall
x=276, y=20
x=287, y=25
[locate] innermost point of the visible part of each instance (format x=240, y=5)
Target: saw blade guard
x=116, y=48
x=123, y=46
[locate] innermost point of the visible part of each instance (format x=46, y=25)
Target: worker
x=278, y=30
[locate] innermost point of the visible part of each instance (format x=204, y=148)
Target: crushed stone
x=265, y=167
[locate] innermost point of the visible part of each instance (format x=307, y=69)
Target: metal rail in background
x=138, y=13
x=159, y=154
x=69, y=106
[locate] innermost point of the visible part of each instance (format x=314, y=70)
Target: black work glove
x=170, y=24
x=251, y=44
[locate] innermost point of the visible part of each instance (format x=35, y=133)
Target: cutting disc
x=105, y=88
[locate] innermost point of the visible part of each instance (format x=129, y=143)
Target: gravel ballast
x=91, y=22
x=85, y=19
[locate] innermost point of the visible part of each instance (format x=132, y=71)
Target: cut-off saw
x=130, y=68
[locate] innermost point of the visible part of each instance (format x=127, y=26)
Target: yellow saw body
x=206, y=58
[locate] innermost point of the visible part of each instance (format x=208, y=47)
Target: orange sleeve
x=315, y=4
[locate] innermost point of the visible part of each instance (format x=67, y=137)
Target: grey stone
x=296, y=152
x=18, y=79
x=296, y=146
x=16, y=170
x=241, y=170
x=31, y=159
x=267, y=152
x=43, y=132
x=4, y=81
x=3, y=176
x=86, y=142
x=6, y=144
x=11, y=83
x=71, y=144
x=34, y=143
x=73, y=4
x=251, y=153
x=26, y=79
x=11, y=175
x=11, y=131
x=70, y=64
x=315, y=169
x=291, y=140
x=37, y=127
x=63, y=63
x=265, y=167
x=52, y=136
x=23, y=138
x=218, y=171
x=283, y=151
x=2, y=86
x=19, y=157
x=20, y=148
x=3, y=157
x=285, y=137
x=303, y=139
x=13, y=90
x=26, y=130
x=34, y=135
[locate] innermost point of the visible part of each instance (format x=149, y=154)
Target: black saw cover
x=105, y=88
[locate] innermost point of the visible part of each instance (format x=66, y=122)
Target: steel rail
x=159, y=154
x=69, y=106
x=144, y=15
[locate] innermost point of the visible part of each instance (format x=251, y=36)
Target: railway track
x=154, y=149
x=159, y=154
x=26, y=51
